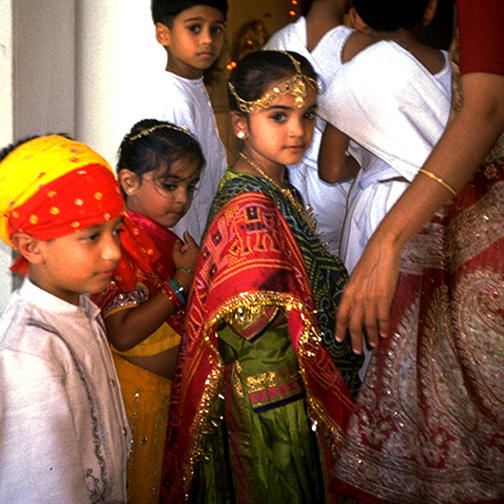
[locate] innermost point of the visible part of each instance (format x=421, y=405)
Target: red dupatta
x=147, y=258
x=249, y=258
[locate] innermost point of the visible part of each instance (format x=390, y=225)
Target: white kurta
x=394, y=110
x=185, y=102
x=327, y=200
x=64, y=436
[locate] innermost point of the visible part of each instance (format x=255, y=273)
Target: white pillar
x=116, y=53
x=37, y=79
x=6, y=103
x=43, y=67
x=6, y=124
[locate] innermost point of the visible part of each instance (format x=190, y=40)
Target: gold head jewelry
x=148, y=131
x=294, y=85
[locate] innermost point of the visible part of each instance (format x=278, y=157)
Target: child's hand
x=185, y=254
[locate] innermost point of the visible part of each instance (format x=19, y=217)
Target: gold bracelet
x=439, y=180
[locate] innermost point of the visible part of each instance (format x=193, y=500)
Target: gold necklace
x=305, y=211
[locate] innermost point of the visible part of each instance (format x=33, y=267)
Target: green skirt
x=262, y=449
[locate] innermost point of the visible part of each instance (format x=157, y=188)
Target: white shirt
x=394, y=111
x=64, y=436
x=185, y=102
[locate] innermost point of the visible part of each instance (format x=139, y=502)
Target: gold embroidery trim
x=202, y=422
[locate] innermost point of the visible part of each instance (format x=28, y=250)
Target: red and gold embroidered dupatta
x=250, y=258
x=147, y=258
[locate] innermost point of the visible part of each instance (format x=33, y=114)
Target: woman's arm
x=334, y=164
x=466, y=141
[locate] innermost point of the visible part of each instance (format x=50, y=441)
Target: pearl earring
x=241, y=135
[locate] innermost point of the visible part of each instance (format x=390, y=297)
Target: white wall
x=44, y=67
x=73, y=67
x=117, y=54
x=6, y=122
x=37, y=64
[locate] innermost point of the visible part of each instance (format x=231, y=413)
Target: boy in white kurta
x=393, y=105
x=64, y=435
x=191, y=31
x=386, y=109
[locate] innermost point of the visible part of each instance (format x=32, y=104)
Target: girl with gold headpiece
x=158, y=169
x=264, y=392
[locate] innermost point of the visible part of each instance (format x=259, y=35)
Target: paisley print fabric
x=429, y=423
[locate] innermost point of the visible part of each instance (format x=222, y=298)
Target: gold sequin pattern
x=202, y=423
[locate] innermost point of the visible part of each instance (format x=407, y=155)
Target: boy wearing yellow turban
x=63, y=431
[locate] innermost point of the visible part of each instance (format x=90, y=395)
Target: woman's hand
x=366, y=301
x=464, y=144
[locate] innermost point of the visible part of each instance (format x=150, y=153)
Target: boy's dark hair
x=163, y=11
x=153, y=144
x=391, y=15
x=257, y=70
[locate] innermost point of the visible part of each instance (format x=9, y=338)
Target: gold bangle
x=439, y=180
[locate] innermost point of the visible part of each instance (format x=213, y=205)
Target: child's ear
x=430, y=12
x=28, y=247
x=357, y=21
x=130, y=181
x=163, y=34
x=240, y=125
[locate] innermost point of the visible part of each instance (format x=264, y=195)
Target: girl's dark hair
x=153, y=144
x=256, y=71
x=163, y=11
x=391, y=15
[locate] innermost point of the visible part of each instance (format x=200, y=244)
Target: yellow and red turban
x=52, y=186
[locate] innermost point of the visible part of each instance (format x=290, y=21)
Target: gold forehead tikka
x=148, y=131
x=295, y=85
